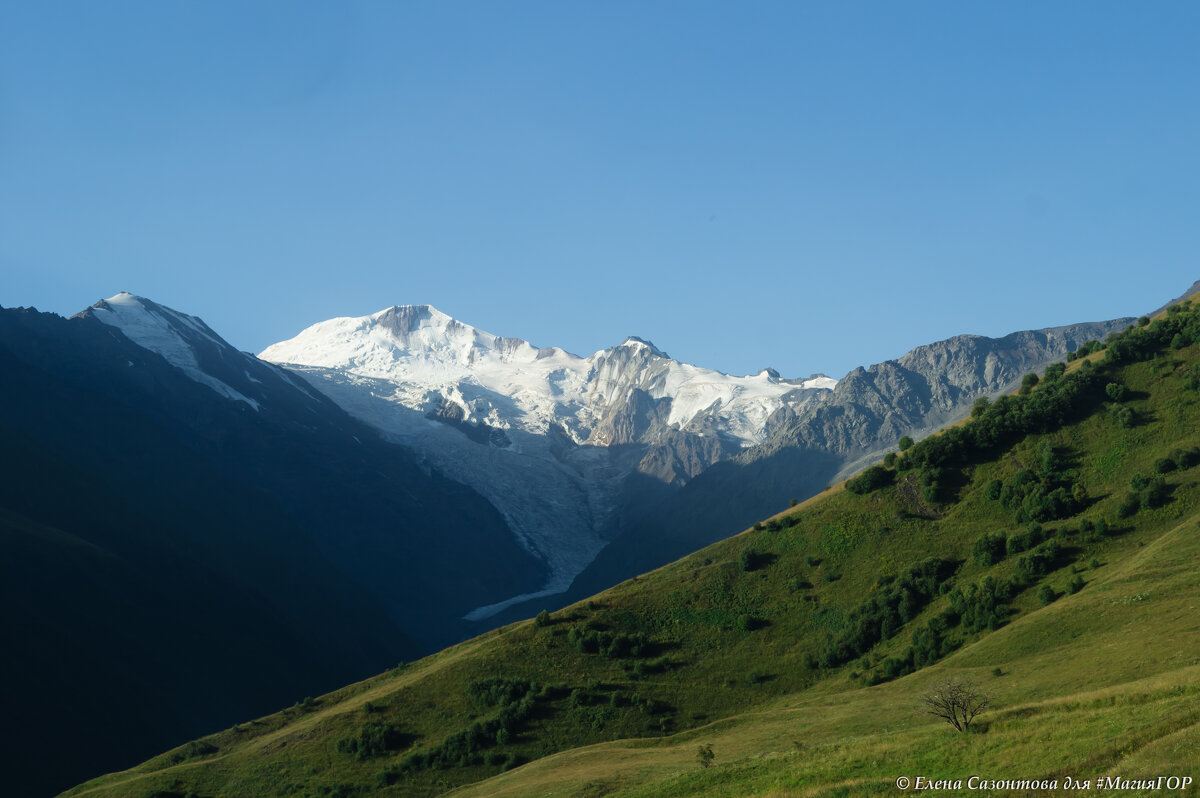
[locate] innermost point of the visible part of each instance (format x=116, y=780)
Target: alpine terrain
x=1034, y=565
x=587, y=458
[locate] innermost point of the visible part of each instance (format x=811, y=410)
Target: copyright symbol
x=902, y=782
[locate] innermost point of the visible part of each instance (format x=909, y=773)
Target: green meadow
x=1045, y=550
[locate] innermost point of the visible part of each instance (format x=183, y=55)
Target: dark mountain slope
x=176, y=559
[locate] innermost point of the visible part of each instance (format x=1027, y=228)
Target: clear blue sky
x=809, y=186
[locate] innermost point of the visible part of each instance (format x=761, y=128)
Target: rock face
x=600, y=463
x=831, y=438
x=570, y=449
x=922, y=391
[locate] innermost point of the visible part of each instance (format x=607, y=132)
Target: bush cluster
x=1144, y=494
x=873, y=478
x=467, y=747
x=1048, y=493
x=883, y=615
x=1177, y=330
x=374, y=739
x=608, y=644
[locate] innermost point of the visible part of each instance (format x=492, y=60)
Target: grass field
x=1094, y=670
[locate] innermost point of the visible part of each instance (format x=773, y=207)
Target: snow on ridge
x=156, y=328
x=422, y=350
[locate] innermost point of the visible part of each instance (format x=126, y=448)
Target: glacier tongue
x=555, y=441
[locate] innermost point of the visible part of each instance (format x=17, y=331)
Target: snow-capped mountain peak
x=176, y=336
x=551, y=438
x=633, y=342
x=430, y=359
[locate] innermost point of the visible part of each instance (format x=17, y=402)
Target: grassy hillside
x=1047, y=550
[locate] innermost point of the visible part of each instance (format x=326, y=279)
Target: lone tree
x=705, y=756
x=955, y=702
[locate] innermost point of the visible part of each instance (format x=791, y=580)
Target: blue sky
x=808, y=186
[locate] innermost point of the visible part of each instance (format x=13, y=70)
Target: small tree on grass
x=705, y=755
x=956, y=702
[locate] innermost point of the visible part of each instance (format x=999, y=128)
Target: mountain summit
x=435, y=360
x=579, y=453
x=569, y=448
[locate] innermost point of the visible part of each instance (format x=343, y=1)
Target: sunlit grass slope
x=1047, y=549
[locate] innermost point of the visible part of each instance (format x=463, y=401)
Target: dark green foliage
x=306, y=704
x=1123, y=416
x=1046, y=495
x=1028, y=382
x=992, y=490
x=1176, y=330
x=989, y=549
x=1156, y=494
x=883, y=615
x=1054, y=371
x=374, y=739
x=1076, y=584
x=905, y=443
x=929, y=644
x=705, y=756
x=1026, y=540
x=1007, y=420
x=1144, y=494
x=889, y=460
x=1046, y=595
x=752, y=559
x=749, y=623
x=608, y=644
x=1164, y=465
x=873, y=478
x=1143, y=321
x=542, y=619
x=496, y=692
x=1039, y=562
x=980, y=406
x=1186, y=458
x=467, y=746
x=982, y=606
x=1116, y=391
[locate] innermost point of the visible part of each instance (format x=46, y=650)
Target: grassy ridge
x=785, y=647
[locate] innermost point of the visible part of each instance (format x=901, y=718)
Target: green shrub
x=1123, y=416
x=989, y=549
x=752, y=559
x=873, y=478
x=374, y=739
x=1116, y=392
